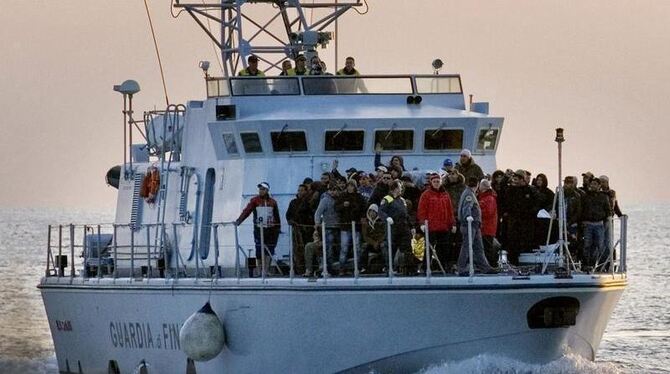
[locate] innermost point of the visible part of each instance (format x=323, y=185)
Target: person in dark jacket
x=454, y=184
x=595, y=210
x=545, y=200
x=374, y=236
x=520, y=214
x=573, y=213
x=266, y=217
x=382, y=189
x=435, y=207
x=301, y=218
x=396, y=160
x=466, y=165
x=614, y=205
x=350, y=206
x=393, y=206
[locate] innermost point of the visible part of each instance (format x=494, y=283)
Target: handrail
x=470, y=251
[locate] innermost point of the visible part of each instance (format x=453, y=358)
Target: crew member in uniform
x=252, y=69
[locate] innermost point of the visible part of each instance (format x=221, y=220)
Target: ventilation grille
x=136, y=210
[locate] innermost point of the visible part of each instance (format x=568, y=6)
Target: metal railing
x=121, y=250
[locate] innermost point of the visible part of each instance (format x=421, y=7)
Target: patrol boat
x=126, y=297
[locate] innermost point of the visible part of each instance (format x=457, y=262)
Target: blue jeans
x=330, y=250
x=594, y=241
x=346, y=238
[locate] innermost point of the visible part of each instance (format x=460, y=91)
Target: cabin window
x=231, y=145
x=251, y=142
x=436, y=139
x=395, y=140
x=487, y=139
x=288, y=141
x=344, y=140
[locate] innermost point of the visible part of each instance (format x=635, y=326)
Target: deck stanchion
x=116, y=263
x=237, y=254
x=324, y=273
x=470, y=251
x=148, y=251
x=624, y=243
x=262, y=225
x=427, y=252
x=99, y=247
x=290, y=253
x=132, y=252
x=49, y=256
x=610, y=240
x=215, y=227
x=60, y=250
x=71, y=251
x=85, y=252
x=176, y=250
x=355, y=249
x=389, y=249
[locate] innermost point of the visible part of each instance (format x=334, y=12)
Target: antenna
x=286, y=34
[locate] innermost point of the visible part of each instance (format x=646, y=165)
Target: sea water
x=637, y=339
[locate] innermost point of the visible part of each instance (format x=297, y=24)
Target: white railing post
x=85, y=253
x=116, y=262
x=324, y=273
x=389, y=222
x=427, y=251
x=290, y=253
x=470, y=251
x=610, y=240
x=262, y=225
x=49, y=255
x=355, y=249
x=623, y=243
x=60, y=251
x=132, y=252
x=71, y=251
x=237, y=253
x=99, y=254
x=215, y=227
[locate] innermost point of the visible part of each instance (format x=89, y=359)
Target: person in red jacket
x=488, y=202
x=435, y=206
x=266, y=216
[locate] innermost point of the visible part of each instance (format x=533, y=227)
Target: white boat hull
x=312, y=327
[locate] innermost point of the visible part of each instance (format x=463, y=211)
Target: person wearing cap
x=586, y=178
x=519, y=215
x=466, y=165
x=381, y=189
x=301, y=218
x=300, y=68
x=488, y=203
x=468, y=206
x=326, y=214
x=595, y=210
x=447, y=166
x=394, y=209
x=266, y=217
x=252, y=68
x=374, y=236
x=350, y=207
x=436, y=208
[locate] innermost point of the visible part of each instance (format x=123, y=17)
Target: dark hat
x=588, y=174
x=264, y=185
x=351, y=170
x=252, y=58
x=448, y=162
x=432, y=176
x=520, y=172
x=301, y=57
x=307, y=180
x=382, y=168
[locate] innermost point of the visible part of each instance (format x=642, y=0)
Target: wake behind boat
x=131, y=301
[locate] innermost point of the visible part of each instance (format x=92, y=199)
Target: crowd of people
x=316, y=67
x=358, y=207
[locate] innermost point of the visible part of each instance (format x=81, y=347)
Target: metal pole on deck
x=262, y=225
x=290, y=252
x=215, y=227
x=60, y=250
x=355, y=249
x=148, y=250
x=132, y=252
x=48, y=250
x=237, y=254
x=623, y=243
x=85, y=252
x=561, y=207
x=71, y=251
x=389, y=249
x=610, y=237
x=324, y=273
x=116, y=263
x=176, y=250
x=99, y=254
x=427, y=252
x=470, y=251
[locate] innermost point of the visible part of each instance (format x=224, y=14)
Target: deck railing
x=95, y=251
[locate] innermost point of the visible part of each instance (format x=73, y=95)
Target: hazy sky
x=597, y=68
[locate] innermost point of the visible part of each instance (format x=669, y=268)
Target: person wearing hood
x=545, y=200
x=468, y=206
x=349, y=206
x=488, y=204
x=266, y=217
x=435, y=207
x=466, y=165
x=393, y=206
x=326, y=214
x=374, y=236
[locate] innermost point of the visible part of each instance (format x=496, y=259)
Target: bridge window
x=288, y=141
x=438, y=85
x=251, y=142
x=487, y=139
x=436, y=139
x=395, y=140
x=344, y=140
x=231, y=145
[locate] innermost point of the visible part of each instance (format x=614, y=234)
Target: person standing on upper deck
x=252, y=68
x=300, y=66
x=466, y=165
x=286, y=68
x=349, y=67
x=468, y=206
x=266, y=218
